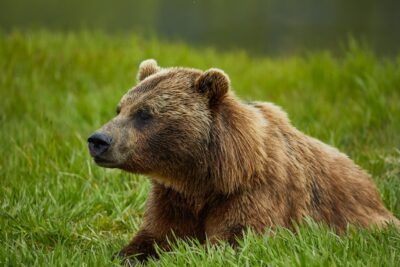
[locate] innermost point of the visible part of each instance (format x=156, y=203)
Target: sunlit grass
x=58, y=209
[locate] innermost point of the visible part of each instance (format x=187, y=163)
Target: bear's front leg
x=163, y=222
x=228, y=220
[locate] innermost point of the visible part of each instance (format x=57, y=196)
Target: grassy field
x=58, y=209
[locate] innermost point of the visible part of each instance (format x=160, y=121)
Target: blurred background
x=267, y=27
x=65, y=64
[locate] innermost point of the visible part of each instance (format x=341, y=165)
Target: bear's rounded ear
x=214, y=83
x=147, y=68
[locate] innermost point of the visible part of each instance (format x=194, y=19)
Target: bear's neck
x=236, y=149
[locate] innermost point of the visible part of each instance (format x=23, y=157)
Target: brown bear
x=219, y=165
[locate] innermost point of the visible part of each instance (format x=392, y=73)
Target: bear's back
x=320, y=181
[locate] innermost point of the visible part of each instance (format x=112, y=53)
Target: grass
x=58, y=209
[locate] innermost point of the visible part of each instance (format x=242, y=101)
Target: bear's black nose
x=98, y=144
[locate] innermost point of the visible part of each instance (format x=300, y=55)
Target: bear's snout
x=98, y=143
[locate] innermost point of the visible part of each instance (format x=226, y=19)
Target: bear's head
x=163, y=124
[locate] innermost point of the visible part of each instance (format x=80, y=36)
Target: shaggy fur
x=219, y=165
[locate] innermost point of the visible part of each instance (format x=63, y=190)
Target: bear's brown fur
x=218, y=165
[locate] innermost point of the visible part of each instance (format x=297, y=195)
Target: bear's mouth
x=104, y=162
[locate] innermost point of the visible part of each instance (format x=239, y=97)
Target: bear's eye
x=141, y=118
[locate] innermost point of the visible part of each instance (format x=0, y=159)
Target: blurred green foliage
x=271, y=27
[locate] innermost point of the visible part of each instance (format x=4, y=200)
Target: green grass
x=58, y=209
